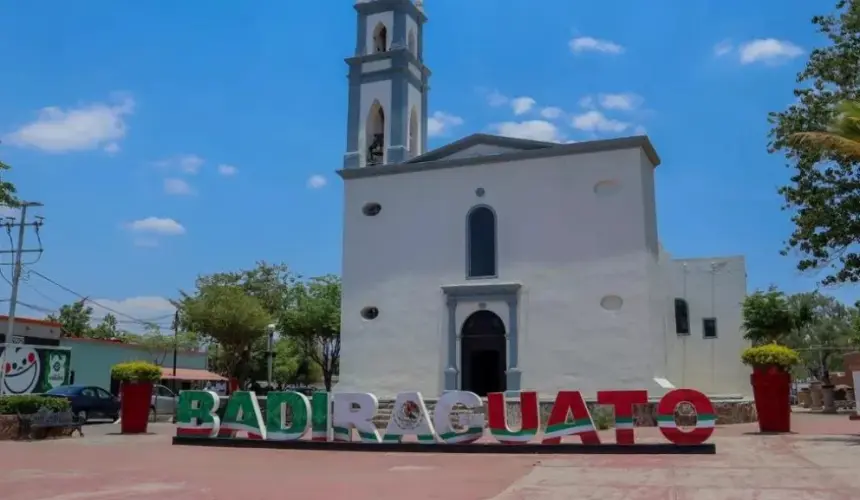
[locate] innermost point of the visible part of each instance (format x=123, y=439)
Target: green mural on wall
x=32, y=369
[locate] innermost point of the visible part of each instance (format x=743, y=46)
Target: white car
x=163, y=403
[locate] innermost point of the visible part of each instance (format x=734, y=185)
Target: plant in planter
x=137, y=379
x=771, y=383
x=768, y=318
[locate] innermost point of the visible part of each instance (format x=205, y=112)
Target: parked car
x=163, y=402
x=88, y=401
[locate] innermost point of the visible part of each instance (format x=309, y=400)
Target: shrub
x=770, y=355
x=602, y=417
x=136, y=371
x=26, y=404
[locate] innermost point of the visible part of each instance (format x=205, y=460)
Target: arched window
x=380, y=38
x=413, y=132
x=375, y=134
x=682, y=317
x=481, y=242
x=411, y=44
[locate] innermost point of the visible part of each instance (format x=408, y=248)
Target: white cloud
x=768, y=50
x=589, y=44
x=156, y=225
x=723, y=48
x=441, y=123
x=595, y=121
x=496, y=98
x=587, y=102
x=551, y=112
x=640, y=130
x=316, y=181
x=177, y=187
x=227, y=170
x=522, y=105
x=538, y=130
x=146, y=308
x=187, y=163
x=88, y=127
x=112, y=148
x=621, y=102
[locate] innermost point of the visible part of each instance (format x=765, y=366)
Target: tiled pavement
x=820, y=461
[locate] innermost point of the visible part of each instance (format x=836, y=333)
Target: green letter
x=195, y=414
x=276, y=415
x=243, y=414
x=320, y=417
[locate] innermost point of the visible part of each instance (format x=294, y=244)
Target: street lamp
x=271, y=330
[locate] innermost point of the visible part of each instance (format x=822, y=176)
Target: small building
x=92, y=359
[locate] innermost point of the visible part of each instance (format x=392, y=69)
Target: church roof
x=502, y=149
x=481, y=139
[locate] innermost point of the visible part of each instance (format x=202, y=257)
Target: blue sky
x=169, y=139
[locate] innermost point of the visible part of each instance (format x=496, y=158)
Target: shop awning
x=190, y=374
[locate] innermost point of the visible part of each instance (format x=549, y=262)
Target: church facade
x=503, y=264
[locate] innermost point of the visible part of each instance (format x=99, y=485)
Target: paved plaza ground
x=820, y=461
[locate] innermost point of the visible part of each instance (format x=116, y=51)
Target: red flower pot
x=135, y=399
x=772, y=389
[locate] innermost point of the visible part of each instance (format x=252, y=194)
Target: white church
x=503, y=264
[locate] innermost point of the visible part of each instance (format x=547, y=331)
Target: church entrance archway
x=483, y=353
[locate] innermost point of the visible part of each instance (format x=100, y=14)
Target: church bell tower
x=387, y=118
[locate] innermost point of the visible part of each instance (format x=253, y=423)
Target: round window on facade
x=607, y=187
x=611, y=302
x=369, y=312
x=371, y=209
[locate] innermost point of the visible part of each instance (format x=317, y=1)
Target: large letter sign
x=570, y=403
x=195, y=414
x=349, y=418
x=474, y=423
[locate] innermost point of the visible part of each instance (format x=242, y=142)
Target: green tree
x=268, y=283
x=7, y=189
x=842, y=136
x=312, y=318
x=291, y=365
x=75, y=318
x=228, y=315
x=107, y=329
x=769, y=317
x=822, y=339
x=823, y=194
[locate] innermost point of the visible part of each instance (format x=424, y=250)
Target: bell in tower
x=388, y=84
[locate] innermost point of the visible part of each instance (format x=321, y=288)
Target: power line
x=18, y=252
x=87, y=299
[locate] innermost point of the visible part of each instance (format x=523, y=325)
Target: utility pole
x=175, y=344
x=18, y=253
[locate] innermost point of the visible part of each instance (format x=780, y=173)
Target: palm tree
x=841, y=137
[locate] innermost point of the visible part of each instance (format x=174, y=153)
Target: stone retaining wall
x=10, y=429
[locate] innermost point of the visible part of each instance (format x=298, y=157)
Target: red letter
x=557, y=425
x=623, y=402
x=705, y=417
x=498, y=421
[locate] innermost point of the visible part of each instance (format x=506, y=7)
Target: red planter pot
x=772, y=389
x=136, y=398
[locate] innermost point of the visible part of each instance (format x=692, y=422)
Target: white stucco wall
x=713, y=288
x=565, y=244
x=413, y=101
